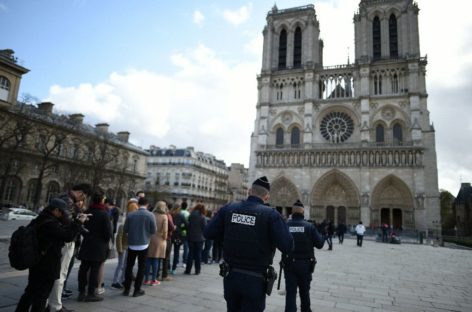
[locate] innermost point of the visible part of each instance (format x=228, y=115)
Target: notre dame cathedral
x=354, y=141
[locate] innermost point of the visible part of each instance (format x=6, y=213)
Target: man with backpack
x=51, y=235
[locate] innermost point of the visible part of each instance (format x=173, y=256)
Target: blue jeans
x=152, y=264
x=206, y=250
x=185, y=256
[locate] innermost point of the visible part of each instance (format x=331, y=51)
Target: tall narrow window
x=376, y=90
x=379, y=134
x=279, y=137
x=295, y=137
x=395, y=83
x=4, y=88
x=283, y=49
x=376, y=38
x=393, y=36
x=297, y=48
x=397, y=134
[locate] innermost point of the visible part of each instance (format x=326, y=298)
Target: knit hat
x=298, y=203
x=262, y=181
x=59, y=204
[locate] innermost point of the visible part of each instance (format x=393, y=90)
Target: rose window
x=337, y=127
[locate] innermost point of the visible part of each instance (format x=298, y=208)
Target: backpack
x=24, y=251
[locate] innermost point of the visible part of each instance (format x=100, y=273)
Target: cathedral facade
x=354, y=141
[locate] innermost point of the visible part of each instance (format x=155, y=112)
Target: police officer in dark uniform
x=250, y=231
x=300, y=263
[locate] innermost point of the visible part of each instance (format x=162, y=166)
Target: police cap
x=298, y=203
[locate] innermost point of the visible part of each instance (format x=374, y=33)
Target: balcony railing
x=325, y=146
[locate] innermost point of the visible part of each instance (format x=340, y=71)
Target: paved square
x=376, y=277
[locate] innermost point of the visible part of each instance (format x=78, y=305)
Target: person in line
x=186, y=215
x=122, y=248
x=94, y=249
x=299, y=264
x=196, y=225
x=139, y=226
x=177, y=238
x=330, y=233
x=360, y=230
x=251, y=231
x=207, y=244
x=76, y=200
x=157, y=245
x=52, y=235
x=170, y=230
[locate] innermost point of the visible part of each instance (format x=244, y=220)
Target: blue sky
x=184, y=72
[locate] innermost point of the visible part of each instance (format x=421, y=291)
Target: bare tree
x=14, y=131
x=101, y=156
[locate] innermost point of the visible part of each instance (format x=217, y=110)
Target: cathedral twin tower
x=353, y=142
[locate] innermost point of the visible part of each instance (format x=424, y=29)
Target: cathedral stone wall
x=353, y=141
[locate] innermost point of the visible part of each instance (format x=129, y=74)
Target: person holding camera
x=52, y=234
x=299, y=264
x=251, y=231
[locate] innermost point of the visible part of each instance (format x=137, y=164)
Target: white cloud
x=198, y=17
x=255, y=44
x=206, y=103
x=239, y=16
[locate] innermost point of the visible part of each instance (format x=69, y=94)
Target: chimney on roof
x=76, y=118
x=123, y=136
x=46, y=107
x=102, y=127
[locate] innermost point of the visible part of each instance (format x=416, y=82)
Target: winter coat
x=196, y=224
x=158, y=243
x=95, y=246
x=121, y=240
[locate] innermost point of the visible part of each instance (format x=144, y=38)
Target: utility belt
x=286, y=261
x=269, y=277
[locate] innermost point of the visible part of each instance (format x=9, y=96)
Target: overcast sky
x=184, y=72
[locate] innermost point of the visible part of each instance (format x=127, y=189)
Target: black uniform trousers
x=36, y=292
x=297, y=275
x=244, y=293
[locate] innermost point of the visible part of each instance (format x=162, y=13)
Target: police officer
x=251, y=231
x=300, y=263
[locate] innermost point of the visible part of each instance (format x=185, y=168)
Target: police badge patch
x=243, y=219
x=296, y=229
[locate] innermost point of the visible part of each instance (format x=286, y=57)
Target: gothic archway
x=283, y=194
x=335, y=189
x=392, y=203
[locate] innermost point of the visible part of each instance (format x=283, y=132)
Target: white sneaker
x=100, y=290
x=184, y=266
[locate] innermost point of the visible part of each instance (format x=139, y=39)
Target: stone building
x=238, y=182
x=462, y=208
x=43, y=153
x=352, y=141
x=182, y=174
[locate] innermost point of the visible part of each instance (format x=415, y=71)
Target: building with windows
x=43, y=153
x=183, y=175
x=352, y=141
x=238, y=182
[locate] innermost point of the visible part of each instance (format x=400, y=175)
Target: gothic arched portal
x=337, y=190
x=283, y=194
x=392, y=203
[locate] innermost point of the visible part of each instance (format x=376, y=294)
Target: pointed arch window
x=53, y=190
x=295, y=137
x=397, y=134
x=297, y=48
x=393, y=35
x=283, y=49
x=279, y=137
x=376, y=38
x=379, y=134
